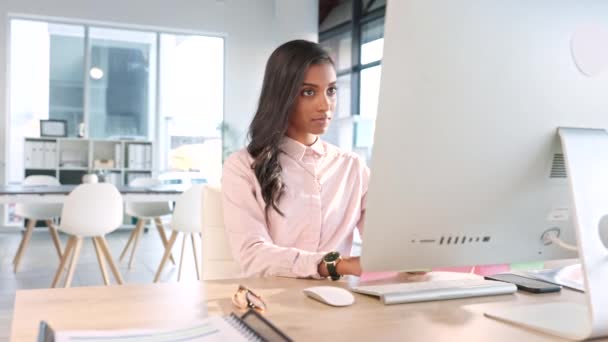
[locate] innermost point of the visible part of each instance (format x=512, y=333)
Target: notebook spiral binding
x=243, y=328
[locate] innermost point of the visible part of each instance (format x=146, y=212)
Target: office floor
x=40, y=262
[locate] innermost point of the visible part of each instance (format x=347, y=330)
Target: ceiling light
x=96, y=73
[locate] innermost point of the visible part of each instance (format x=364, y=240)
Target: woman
x=291, y=200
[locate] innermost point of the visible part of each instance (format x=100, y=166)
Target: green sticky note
x=527, y=266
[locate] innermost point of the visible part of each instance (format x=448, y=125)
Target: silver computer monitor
x=467, y=165
x=490, y=138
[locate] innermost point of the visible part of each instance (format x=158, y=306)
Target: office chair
x=145, y=211
x=35, y=212
x=90, y=210
x=218, y=262
x=187, y=220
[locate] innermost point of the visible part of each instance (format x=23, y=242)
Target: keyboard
x=435, y=290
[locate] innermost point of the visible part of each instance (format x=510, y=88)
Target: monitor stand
x=586, y=155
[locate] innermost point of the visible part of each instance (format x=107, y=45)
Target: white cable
x=551, y=237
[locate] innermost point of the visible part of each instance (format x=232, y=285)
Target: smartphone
x=526, y=284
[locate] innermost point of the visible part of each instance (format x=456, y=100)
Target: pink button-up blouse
x=324, y=201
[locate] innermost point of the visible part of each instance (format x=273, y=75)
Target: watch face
x=331, y=256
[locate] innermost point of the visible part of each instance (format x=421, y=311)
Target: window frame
x=155, y=123
x=360, y=17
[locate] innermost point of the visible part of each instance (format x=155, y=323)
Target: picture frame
x=53, y=128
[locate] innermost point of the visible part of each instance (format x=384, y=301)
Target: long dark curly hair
x=285, y=72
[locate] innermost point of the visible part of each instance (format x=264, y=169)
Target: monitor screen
x=467, y=166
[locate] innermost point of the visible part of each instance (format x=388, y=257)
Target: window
x=356, y=45
x=121, y=83
x=66, y=72
x=46, y=82
x=104, y=82
x=339, y=48
x=372, y=41
x=192, y=103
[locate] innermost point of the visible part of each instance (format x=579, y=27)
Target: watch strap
x=332, y=270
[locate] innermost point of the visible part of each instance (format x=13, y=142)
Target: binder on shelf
x=117, y=156
x=28, y=156
x=252, y=326
x=50, y=155
x=37, y=154
x=43, y=155
x=133, y=155
x=43, y=152
x=139, y=157
x=148, y=157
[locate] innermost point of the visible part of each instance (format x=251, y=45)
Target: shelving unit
x=69, y=159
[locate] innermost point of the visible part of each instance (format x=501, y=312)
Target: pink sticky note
x=491, y=269
x=371, y=276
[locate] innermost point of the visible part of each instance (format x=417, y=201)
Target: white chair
x=35, y=212
x=145, y=211
x=90, y=210
x=217, y=261
x=185, y=219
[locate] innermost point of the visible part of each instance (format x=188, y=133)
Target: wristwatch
x=331, y=260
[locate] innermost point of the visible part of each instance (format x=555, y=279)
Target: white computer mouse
x=330, y=295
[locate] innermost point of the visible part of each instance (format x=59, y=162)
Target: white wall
x=296, y=19
x=252, y=29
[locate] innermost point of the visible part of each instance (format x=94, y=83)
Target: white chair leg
x=126, y=249
x=101, y=240
x=166, y=255
x=102, y=265
x=181, y=259
x=198, y=275
x=64, y=259
x=74, y=262
x=24, y=242
x=55, y=237
x=163, y=236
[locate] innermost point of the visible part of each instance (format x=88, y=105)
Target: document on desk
x=212, y=329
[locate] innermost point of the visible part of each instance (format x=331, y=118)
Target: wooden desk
x=180, y=304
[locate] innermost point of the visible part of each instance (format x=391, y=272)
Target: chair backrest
x=218, y=262
x=187, y=210
x=147, y=209
x=92, y=210
x=39, y=211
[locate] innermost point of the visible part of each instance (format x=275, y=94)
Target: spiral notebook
x=250, y=327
